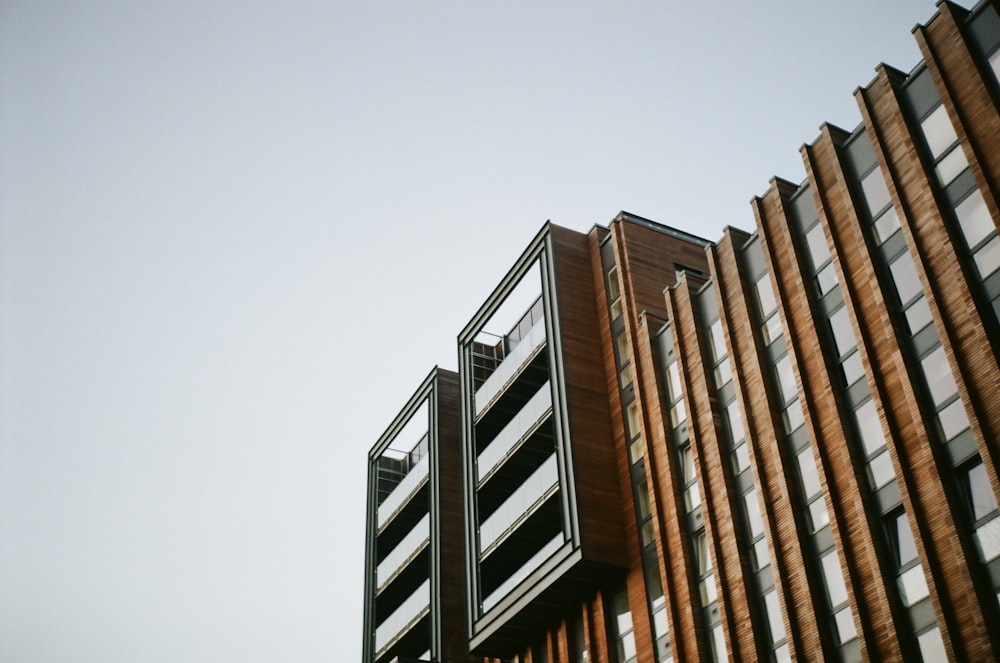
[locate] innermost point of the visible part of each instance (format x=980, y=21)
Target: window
x=869, y=427
x=876, y=192
x=904, y=548
x=768, y=307
x=723, y=374
x=904, y=276
x=910, y=292
x=911, y=582
x=880, y=471
x=843, y=617
x=703, y=559
x=818, y=250
x=678, y=415
x=614, y=294
x=755, y=525
x=974, y=219
x=846, y=346
x=983, y=510
x=942, y=142
x=774, y=616
x=740, y=454
x=786, y=379
x=938, y=375
x=952, y=419
x=876, y=195
x=931, y=646
x=819, y=253
x=644, y=513
x=987, y=258
x=621, y=626
x=692, y=496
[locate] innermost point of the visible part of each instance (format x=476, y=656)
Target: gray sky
x=235, y=236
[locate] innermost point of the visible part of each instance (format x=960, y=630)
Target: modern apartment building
x=780, y=445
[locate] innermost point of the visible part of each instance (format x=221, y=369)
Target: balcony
x=409, y=485
x=507, y=441
x=526, y=348
x=403, y=553
x=518, y=576
x=517, y=508
x=405, y=617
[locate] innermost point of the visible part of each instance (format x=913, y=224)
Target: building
x=781, y=445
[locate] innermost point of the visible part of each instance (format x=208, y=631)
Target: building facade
x=781, y=445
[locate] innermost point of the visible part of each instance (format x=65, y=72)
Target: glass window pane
x=793, y=416
x=886, y=225
x=913, y=586
x=984, y=502
x=953, y=420
x=741, y=458
x=951, y=166
x=988, y=540
x=754, y=521
x=735, y=421
x=826, y=280
x=937, y=373
x=843, y=335
x=918, y=315
x=774, y=616
x=844, y=621
x=819, y=517
x=988, y=258
x=876, y=192
x=719, y=645
x=807, y=471
x=723, y=374
x=853, y=370
x=761, y=555
x=904, y=275
x=931, y=646
x=765, y=296
x=674, y=381
x=880, y=470
x=773, y=329
x=786, y=378
x=834, y=579
x=701, y=553
x=938, y=131
x=818, y=250
x=718, y=340
x=974, y=219
x=906, y=547
x=869, y=427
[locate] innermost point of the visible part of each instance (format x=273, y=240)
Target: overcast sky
x=235, y=237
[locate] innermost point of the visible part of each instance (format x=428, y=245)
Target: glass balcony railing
x=404, y=551
x=495, y=383
x=413, y=479
x=519, y=504
x=404, y=617
x=508, y=438
x=515, y=579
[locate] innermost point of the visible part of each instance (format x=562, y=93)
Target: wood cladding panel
x=598, y=495
x=454, y=646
